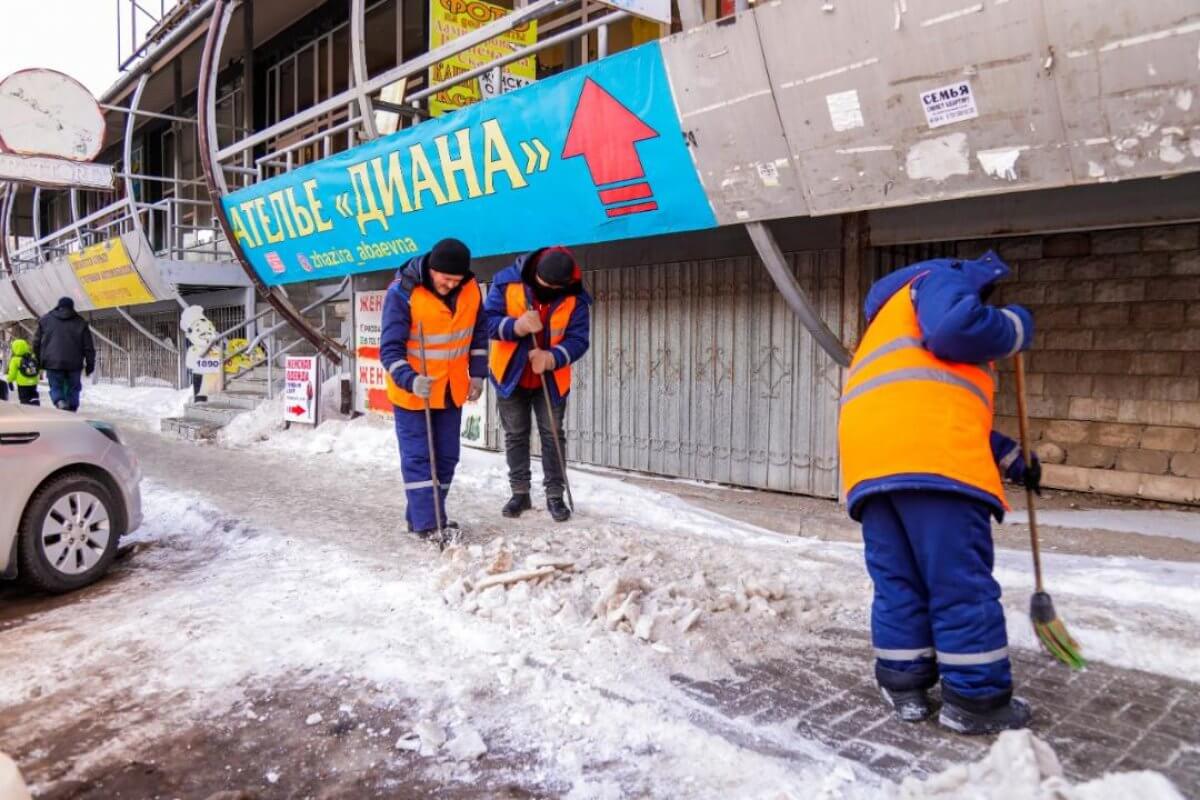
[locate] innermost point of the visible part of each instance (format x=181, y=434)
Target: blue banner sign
x=591, y=155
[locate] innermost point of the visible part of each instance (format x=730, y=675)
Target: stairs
x=203, y=421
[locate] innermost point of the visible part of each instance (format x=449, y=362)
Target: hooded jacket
x=64, y=342
x=957, y=325
x=500, y=325
x=20, y=348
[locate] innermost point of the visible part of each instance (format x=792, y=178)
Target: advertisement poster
x=301, y=392
x=473, y=429
x=450, y=19
x=595, y=154
x=370, y=381
x=107, y=275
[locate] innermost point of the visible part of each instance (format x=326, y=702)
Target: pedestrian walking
x=434, y=350
x=923, y=470
x=538, y=322
x=23, y=373
x=64, y=349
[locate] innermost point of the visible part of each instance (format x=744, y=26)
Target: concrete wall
x=1114, y=375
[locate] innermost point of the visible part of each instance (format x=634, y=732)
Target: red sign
x=301, y=393
x=606, y=134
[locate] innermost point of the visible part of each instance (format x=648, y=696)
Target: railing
x=262, y=330
x=178, y=228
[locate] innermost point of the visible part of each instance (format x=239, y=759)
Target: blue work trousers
x=414, y=461
x=936, y=607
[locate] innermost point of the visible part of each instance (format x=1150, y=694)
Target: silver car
x=69, y=489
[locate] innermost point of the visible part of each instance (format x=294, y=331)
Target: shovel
x=1050, y=630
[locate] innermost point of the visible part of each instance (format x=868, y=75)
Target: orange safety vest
x=447, y=346
x=502, y=352
x=905, y=411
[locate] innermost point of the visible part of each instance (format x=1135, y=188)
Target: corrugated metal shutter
x=699, y=370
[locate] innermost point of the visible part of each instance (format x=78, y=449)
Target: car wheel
x=69, y=533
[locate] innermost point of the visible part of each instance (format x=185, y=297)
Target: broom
x=1050, y=630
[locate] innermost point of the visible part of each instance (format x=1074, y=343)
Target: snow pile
x=1022, y=765
x=145, y=405
x=254, y=426
x=584, y=585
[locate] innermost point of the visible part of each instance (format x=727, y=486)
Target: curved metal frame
x=10, y=193
x=37, y=221
x=135, y=104
x=799, y=301
x=127, y=153
x=358, y=61
x=214, y=177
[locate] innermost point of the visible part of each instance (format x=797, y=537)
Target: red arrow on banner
x=297, y=411
x=606, y=134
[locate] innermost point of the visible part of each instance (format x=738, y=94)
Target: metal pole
x=433, y=476
x=562, y=460
x=137, y=326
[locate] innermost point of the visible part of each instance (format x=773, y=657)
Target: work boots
x=558, y=509
x=911, y=705
x=981, y=718
x=515, y=505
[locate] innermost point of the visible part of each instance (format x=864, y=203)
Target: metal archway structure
x=10, y=192
x=214, y=177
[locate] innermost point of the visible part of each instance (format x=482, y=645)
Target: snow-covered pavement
x=563, y=660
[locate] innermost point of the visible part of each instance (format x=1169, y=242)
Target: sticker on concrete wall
x=845, y=112
x=946, y=105
x=768, y=173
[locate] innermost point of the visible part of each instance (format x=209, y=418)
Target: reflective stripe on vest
x=502, y=352
x=447, y=346
x=904, y=411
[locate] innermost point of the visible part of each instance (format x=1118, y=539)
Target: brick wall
x=1114, y=374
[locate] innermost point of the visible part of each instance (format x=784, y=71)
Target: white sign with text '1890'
x=300, y=393
x=946, y=105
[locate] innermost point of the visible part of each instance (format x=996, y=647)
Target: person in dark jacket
x=437, y=296
x=923, y=470
x=538, y=321
x=64, y=349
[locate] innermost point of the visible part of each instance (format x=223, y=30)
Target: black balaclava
x=557, y=268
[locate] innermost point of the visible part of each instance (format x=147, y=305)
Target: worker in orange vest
x=435, y=294
x=923, y=469
x=538, y=320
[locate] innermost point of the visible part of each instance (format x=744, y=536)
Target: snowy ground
x=543, y=657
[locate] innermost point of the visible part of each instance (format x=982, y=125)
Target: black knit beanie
x=451, y=257
x=556, y=267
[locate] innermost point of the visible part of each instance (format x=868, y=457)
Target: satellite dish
x=46, y=113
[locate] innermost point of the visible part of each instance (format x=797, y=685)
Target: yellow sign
x=108, y=277
x=245, y=359
x=450, y=19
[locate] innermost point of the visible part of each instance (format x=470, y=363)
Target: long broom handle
x=433, y=478
x=1026, y=452
x=562, y=461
